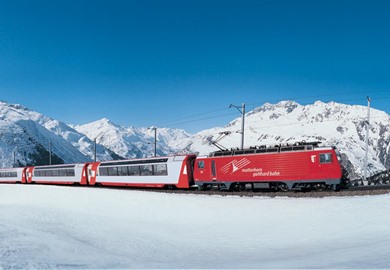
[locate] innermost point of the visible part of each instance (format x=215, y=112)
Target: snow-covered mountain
x=131, y=142
x=288, y=122
x=26, y=135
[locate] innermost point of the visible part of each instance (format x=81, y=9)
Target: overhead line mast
x=242, y=111
x=367, y=132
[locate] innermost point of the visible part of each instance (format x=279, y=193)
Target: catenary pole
x=94, y=150
x=366, y=141
x=243, y=126
x=155, y=140
x=50, y=152
x=242, y=111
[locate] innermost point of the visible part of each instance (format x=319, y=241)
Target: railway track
x=352, y=191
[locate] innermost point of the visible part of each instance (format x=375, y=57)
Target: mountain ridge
x=285, y=122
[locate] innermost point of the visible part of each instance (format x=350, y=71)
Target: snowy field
x=75, y=228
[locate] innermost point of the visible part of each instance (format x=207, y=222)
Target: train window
x=49, y=173
x=62, y=172
x=133, y=170
x=122, y=171
x=69, y=172
x=103, y=171
x=112, y=171
x=201, y=164
x=325, y=158
x=160, y=169
x=146, y=169
x=8, y=174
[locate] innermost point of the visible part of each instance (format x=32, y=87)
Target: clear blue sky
x=170, y=63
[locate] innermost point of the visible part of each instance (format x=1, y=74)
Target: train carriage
x=299, y=166
x=157, y=172
x=13, y=175
x=66, y=174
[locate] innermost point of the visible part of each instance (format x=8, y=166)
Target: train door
x=24, y=175
x=92, y=173
x=323, y=163
x=213, y=170
x=89, y=173
x=29, y=174
x=190, y=170
x=84, y=175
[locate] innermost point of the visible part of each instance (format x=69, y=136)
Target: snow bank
x=67, y=227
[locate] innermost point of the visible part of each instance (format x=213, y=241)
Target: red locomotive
x=289, y=167
x=298, y=166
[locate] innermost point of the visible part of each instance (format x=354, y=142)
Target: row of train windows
x=49, y=173
x=8, y=174
x=157, y=169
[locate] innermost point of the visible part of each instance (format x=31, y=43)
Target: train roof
x=299, y=146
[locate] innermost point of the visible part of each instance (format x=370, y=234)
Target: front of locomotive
x=345, y=179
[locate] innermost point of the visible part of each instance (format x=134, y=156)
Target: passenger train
x=300, y=166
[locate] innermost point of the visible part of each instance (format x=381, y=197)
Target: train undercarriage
x=272, y=186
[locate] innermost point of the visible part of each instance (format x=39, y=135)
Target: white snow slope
x=28, y=134
x=72, y=228
x=131, y=142
x=331, y=123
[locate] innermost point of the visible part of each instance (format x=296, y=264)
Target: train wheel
x=335, y=187
x=283, y=187
x=204, y=187
x=235, y=187
x=320, y=186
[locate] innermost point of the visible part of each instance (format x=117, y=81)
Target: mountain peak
x=13, y=106
x=101, y=123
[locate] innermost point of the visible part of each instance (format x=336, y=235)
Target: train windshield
x=338, y=155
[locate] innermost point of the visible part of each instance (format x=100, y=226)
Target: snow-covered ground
x=69, y=227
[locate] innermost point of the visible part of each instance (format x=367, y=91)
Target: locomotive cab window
x=326, y=158
x=200, y=164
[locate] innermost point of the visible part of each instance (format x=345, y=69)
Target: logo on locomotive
x=237, y=165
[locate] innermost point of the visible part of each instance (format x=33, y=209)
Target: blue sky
x=172, y=63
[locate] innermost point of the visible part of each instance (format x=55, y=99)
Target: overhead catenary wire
x=300, y=123
x=195, y=117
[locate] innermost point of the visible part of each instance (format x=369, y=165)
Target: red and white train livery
x=298, y=166
x=158, y=172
